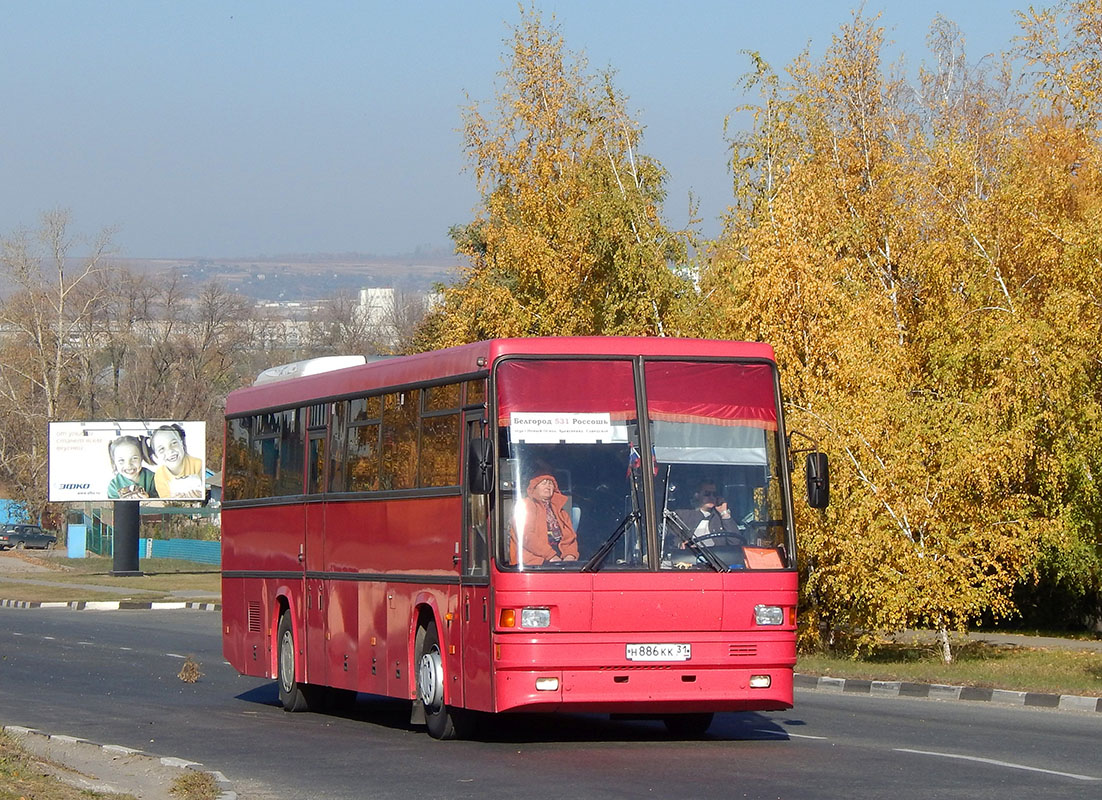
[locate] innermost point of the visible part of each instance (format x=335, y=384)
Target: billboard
x=136, y=460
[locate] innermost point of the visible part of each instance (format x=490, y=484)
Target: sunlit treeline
x=923, y=252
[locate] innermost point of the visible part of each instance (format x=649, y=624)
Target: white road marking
x=997, y=763
x=790, y=735
x=175, y=655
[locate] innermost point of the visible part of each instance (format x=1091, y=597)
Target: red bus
x=538, y=525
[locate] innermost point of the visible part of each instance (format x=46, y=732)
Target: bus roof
x=471, y=359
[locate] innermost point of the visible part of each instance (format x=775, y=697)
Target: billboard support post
x=128, y=522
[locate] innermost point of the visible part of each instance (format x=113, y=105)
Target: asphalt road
x=111, y=677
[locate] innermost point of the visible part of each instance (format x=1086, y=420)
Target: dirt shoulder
x=110, y=769
x=19, y=562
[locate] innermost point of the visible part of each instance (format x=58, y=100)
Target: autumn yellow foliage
x=568, y=239
x=922, y=250
x=924, y=259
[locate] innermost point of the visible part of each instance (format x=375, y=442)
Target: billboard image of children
x=133, y=480
x=178, y=475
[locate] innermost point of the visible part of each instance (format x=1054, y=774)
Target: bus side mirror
x=480, y=466
x=818, y=480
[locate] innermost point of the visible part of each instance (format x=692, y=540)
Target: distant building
x=376, y=310
x=387, y=313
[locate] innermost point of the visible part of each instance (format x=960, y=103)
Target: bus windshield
x=575, y=484
x=567, y=432
x=718, y=465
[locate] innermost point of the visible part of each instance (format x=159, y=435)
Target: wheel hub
x=430, y=679
x=287, y=662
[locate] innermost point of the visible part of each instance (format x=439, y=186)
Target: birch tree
x=50, y=271
x=922, y=258
x=568, y=238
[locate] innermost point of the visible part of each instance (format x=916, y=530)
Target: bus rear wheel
x=688, y=726
x=293, y=695
x=442, y=722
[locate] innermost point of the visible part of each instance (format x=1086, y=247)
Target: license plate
x=659, y=652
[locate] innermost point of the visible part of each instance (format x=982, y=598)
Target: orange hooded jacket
x=535, y=543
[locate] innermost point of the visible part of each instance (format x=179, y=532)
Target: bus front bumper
x=645, y=690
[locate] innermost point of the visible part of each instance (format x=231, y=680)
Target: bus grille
x=254, y=615
x=742, y=650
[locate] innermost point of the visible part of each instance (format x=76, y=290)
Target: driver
x=546, y=533
x=709, y=519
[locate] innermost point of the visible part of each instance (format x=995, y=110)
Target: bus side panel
x=372, y=647
x=247, y=620
x=452, y=642
x=342, y=626
x=393, y=549
x=475, y=648
x=256, y=540
x=263, y=539
x=417, y=537
x=317, y=596
x=399, y=680
x=235, y=641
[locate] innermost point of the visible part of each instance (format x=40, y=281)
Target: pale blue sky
x=241, y=128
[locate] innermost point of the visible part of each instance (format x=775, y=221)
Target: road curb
x=36, y=742
x=114, y=605
x=937, y=691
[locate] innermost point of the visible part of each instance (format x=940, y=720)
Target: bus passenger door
x=314, y=567
x=475, y=608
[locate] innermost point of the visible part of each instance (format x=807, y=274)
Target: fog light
x=769, y=615
x=547, y=684
x=535, y=617
x=760, y=681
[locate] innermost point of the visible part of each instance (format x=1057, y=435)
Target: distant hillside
x=307, y=277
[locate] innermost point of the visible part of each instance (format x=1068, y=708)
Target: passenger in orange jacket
x=546, y=532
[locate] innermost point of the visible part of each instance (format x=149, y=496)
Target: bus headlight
x=535, y=618
x=760, y=681
x=768, y=615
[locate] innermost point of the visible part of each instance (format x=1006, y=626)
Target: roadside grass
x=195, y=786
x=99, y=565
x=68, y=579
x=33, y=593
x=27, y=777
x=979, y=664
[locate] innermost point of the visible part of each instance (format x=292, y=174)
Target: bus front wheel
x=440, y=719
x=292, y=694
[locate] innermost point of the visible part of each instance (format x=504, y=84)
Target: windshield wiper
x=714, y=561
x=609, y=543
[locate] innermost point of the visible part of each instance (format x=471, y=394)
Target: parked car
x=29, y=536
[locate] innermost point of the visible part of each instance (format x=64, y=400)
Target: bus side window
x=316, y=464
x=477, y=505
x=439, y=452
x=399, y=446
x=289, y=477
x=337, y=448
x=477, y=543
